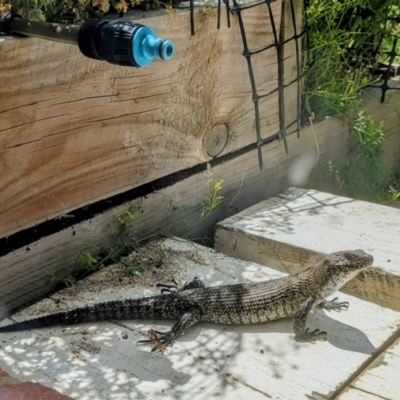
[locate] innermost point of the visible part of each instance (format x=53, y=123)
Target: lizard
x=243, y=303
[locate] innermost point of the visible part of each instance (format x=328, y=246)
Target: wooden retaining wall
x=75, y=130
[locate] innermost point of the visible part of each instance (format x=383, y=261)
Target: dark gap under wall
x=85, y=213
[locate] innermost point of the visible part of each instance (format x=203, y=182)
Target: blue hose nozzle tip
x=147, y=46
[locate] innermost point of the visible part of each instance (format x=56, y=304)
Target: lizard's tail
x=144, y=308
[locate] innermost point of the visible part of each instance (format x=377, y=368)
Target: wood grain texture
x=75, y=130
x=174, y=210
x=290, y=55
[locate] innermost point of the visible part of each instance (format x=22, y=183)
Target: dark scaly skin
x=243, y=303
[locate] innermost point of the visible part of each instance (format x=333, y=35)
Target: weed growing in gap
x=213, y=199
x=126, y=218
x=133, y=268
x=87, y=263
x=56, y=282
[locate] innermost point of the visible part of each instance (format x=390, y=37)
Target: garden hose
x=116, y=41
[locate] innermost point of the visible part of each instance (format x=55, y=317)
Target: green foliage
x=391, y=31
x=87, y=263
x=134, y=270
x=126, y=218
x=53, y=10
x=366, y=174
x=369, y=135
x=87, y=260
x=69, y=11
x=132, y=267
x=344, y=39
x=213, y=199
x=56, y=282
x=393, y=193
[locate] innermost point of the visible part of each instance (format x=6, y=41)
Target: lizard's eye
x=350, y=257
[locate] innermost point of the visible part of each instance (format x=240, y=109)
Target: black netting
x=389, y=69
x=258, y=96
x=233, y=7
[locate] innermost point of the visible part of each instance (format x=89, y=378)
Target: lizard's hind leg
x=161, y=340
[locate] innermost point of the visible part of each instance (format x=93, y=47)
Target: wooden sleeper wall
x=74, y=130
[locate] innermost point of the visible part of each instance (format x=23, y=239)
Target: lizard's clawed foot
x=174, y=288
x=161, y=340
x=307, y=336
x=168, y=288
x=335, y=305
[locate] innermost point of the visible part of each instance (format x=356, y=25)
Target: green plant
x=213, y=199
x=126, y=218
x=393, y=193
x=391, y=31
x=366, y=173
x=86, y=263
x=369, y=135
x=121, y=247
x=56, y=281
x=132, y=267
x=344, y=39
x=55, y=11
x=68, y=11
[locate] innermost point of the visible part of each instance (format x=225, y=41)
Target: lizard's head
x=350, y=261
x=339, y=268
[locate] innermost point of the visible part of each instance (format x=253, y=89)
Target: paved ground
x=99, y=361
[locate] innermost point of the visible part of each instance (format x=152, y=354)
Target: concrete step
x=380, y=380
x=294, y=229
x=96, y=361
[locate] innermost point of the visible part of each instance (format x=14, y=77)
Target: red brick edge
x=12, y=389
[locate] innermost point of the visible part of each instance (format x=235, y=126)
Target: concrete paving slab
x=355, y=394
x=380, y=379
x=294, y=229
x=102, y=361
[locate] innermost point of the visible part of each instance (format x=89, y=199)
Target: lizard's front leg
x=165, y=339
x=334, y=305
x=301, y=333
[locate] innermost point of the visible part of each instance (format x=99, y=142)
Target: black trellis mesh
x=233, y=7
x=361, y=52
x=257, y=96
x=390, y=68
